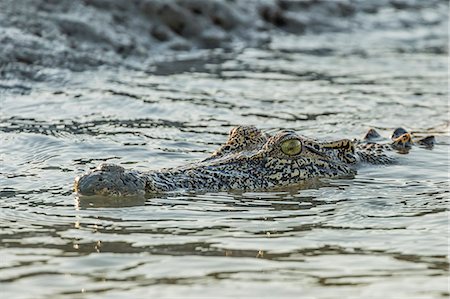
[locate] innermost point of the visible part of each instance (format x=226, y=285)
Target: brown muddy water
x=382, y=234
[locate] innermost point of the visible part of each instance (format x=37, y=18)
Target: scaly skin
x=249, y=160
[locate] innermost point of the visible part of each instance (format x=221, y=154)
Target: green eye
x=291, y=147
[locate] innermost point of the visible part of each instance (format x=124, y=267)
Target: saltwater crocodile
x=252, y=160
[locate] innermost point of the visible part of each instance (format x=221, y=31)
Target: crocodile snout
x=110, y=180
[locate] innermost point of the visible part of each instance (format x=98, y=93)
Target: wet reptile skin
x=249, y=160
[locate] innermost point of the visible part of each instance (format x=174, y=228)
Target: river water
x=382, y=234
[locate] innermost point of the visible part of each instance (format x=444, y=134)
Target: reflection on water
x=384, y=232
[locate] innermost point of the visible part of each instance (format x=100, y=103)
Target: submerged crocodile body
x=251, y=160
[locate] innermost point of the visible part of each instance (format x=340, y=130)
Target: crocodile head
x=249, y=160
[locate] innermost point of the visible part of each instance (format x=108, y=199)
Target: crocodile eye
x=291, y=147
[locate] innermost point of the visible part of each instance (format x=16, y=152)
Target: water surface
x=382, y=234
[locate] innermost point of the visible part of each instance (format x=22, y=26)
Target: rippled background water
x=383, y=234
